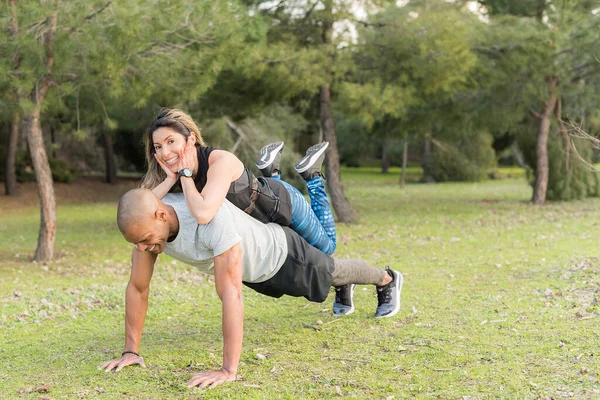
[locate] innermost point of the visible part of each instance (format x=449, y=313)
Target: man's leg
x=347, y=273
x=310, y=273
x=306, y=272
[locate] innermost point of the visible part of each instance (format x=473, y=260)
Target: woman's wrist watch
x=186, y=173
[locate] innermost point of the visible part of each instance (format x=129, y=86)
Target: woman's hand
x=188, y=156
x=171, y=176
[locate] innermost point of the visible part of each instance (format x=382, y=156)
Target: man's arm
x=136, y=305
x=228, y=282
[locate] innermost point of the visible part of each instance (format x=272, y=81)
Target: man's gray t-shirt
x=264, y=246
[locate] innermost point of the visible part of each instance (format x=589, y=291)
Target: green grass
x=500, y=301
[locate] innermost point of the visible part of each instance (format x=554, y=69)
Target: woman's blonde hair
x=181, y=123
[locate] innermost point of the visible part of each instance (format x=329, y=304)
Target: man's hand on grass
x=124, y=361
x=212, y=379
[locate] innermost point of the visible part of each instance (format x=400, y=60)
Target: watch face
x=186, y=172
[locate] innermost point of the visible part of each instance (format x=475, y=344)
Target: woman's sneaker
x=388, y=296
x=268, y=161
x=311, y=163
x=344, y=300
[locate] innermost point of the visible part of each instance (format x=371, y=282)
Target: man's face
x=151, y=236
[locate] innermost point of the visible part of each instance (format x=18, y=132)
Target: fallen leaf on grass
x=338, y=390
x=581, y=316
x=45, y=388
x=316, y=328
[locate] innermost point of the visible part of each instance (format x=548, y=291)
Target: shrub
x=62, y=171
x=565, y=182
x=471, y=159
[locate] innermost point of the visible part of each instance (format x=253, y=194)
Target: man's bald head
x=137, y=208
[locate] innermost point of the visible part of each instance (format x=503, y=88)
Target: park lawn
x=500, y=301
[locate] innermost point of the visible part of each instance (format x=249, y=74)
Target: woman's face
x=168, y=143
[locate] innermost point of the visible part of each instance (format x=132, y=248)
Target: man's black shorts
x=305, y=272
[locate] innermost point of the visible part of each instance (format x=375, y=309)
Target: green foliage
x=62, y=171
x=354, y=141
x=409, y=57
x=466, y=160
x=527, y=8
x=23, y=168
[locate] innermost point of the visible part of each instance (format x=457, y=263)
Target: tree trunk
x=541, y=146
x=427, y=160
x=404, y=162
x=43, y=174
x=385, y=159
x=340, y=203
x=33, y=129
x=109, y=158
x=10, y=174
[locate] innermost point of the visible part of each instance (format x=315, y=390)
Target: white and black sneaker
x=388, y=296
x=311, y=163
x=344, y=300
x=268, y=161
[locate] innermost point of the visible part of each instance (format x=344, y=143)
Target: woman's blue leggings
x=315, y=225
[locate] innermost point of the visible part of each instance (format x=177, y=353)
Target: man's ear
x=161, y=214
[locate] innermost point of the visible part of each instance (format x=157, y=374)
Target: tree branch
x=98, y=11
x=91, y=16
x=14, y=22
x=14, y=32
x=496, y=48
x=310, y=10
x=535, y=114
x=240, y=133
x=48, y=41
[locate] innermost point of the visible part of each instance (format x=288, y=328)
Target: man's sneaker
x=388, y=296
x=344, y=300
x=268, y=161
x=311, y=163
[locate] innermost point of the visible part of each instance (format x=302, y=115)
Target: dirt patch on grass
x=82, y=190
